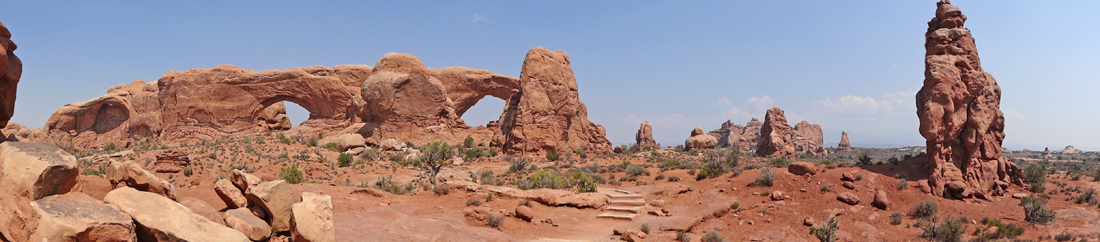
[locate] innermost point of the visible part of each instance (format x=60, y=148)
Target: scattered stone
x=525, y=213
x=849, y=185
x=35, y=169
x=312, y=219
x=276, y=198
x=130, y=174
x=251, y=226
x=849, y=176
x=802, y=168
x=75, y=216
x=171, y=161
x=849, y=198
x=345, y=142
x=924, y=187
x=809, y=221
x=1019, y=195
x=700, y=141
x=229, y=193
x=881, y=201
x=779, y=195
x=355, y=151
x=161, y=219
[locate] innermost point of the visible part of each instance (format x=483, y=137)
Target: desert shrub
x=644, y=228
x=1087, y=197
x=473, y=202
x=433, y=157
x=659, y=177
x=581, y=153
x=673, y=178
x=495, y=220
x=673, y=164
x=554, y=180
x=474, y=153
x=291, y=174
x=713, y=236
x=388, y=184
x=110, y=147
x=735, y=205
x=553, y=155
x=187, y=171
x=1036, y=176
x=636, y=170
x=827, y=231
x=925, y=209
x=682, y=236
x=410, y=145
x=894, y=160
x=779, y=162
x=468, y=142
x=344, y=160
x=371, y=154
x=1035, y=211
x=312, y=141
x=1063, y=236
x=1004, y=230
x=903, y=184
x=518, y=165
x=895, y=218
x=92, y=172
x=863, y=158
x=441, y=190
x=766, y=177
x=947, y=230
x=825, y=188
x=489, y=197
x=330, y=146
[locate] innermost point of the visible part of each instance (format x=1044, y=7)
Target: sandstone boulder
x=129, y=174
x=391, y=144
x=802, y=168
x=555, y=197
x=35, y=170
x=251, y=226
x=78, y=217
x=171, y=161
x=844, y=145
x=775, y=135
x=18, y=217
x=273, y=118
x=202, y=208
x=847, y=197
x=959, y=111
x=10, y=71
x=525, y=213
x=547, y=113
x=700, y=141
x=808, y=139
x=312, y=219
x=230, y=194
x=276, y=198
x=644, y=137
x=881, y=201
x=243, y=180
x=345, y=142
x=849, y=185
x=161, y=219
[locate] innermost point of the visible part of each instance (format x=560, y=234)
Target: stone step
x=625, y=196
x=634, y=202
x=632, y=209
x=617, y=215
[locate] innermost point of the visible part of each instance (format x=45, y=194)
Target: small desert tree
x=433, y=157
x=827, y=231
x=1035, y=211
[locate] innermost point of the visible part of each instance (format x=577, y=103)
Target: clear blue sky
x=849, y=65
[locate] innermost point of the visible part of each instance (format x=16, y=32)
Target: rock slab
x=242, y=220
x=276, y=198
x=36, y=169
x=161, y=219
x=75, y=216
x=312, y=219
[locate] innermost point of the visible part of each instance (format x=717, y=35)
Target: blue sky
x=850, y=66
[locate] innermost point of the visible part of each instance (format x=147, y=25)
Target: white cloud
x=888, y=103
x=761, y=103
x=1011, y=113
x=724, y=101
x=480, y=18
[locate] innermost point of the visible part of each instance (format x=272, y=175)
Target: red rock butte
x=960, y=116
x=398, y=98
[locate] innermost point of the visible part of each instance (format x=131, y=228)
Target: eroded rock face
x=35, y=170
x=161, y=219
x=749, y=138
x=18, y=217
x=171, y=161
x=10, y=71
x=700, y=141
x=644, y=137
x=728, y=135
x=959, y=111
x=547, y=113
x=775, y=135
x=844, y=145
x=808, y=139
x=78, y=217
x=130, y=174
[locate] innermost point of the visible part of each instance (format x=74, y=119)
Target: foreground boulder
x=230, y=194
x=242, y=180
x=78, y=217
x=10, y=71
x=775, y=136
x=18, y=218
x=130, y=174
x=700, y=141
x=161, y=219
x=312, y=219
x=243, y=220
x=547, y=113
x=35, y=170
x=276, y=198
x=644, y=137
x=802, y=167
x=959, y=111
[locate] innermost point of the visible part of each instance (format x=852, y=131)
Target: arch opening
x=296, y=113
x=484, y=111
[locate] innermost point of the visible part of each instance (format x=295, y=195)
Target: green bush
x=474, y=153
x=925, y=209
x=371, y=154
x=433, y=157
x=636, y=170
x=903, y=184
x=1064, y=236
x=766, y=177
x=1036, y=176
x=895, y=218
x=682, y=236
x=553, y=155
x=187, y=171
x=331, y=146
x=495, y=220
x=388, y=184
x=1003, y=230
x=312, y=141
x=1087, y=197
x=291, y=174
x=863, y=158
x=554, y=180
x=518, y=166
x=644, y=228
x=473, y=202
x=779, y=162
x=441, y=190
x=1035, y=211
x=468, y=142
x=827, y=231
x=948, y=230
x=344, y=160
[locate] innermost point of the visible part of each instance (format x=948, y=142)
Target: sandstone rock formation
x=161, y=219
x=253, y=227
x=78, y=217
x=750, y=137
x=802, y=167
x=276, y=198
x=171, y=161
x=644, y=137
x=35, y=170
x=244, y=180
x=959, y=111
x=345, y=142
x=547, y=113
x=18, y=132
x=844, y=145
x=808, y=139
x=130, y=174
x=775, y=136
x=10, y=71
x=312, y=219
x=18, y=217
x=230, y=194
x=737, y=137
x=700, y=141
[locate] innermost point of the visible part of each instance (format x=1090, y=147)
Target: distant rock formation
x=699, y=141
x=776, y=135
x=644, y=137
x=959, y=111
x=844, y=145
x=1069, y=150
x=808, y=139
x=10, y=71
x=397, y=99
x=728, y=134
x=547, y=112
x=737, y=137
